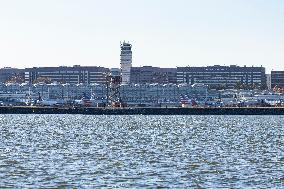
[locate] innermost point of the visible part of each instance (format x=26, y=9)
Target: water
x=141, y=151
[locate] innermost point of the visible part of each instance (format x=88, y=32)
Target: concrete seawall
x=144, y=111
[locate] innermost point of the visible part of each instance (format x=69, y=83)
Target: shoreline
x=143, y=110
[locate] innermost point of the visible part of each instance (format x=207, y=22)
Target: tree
x=45, y=80
x=16, y=79
x=278, y=89
x=239, y=85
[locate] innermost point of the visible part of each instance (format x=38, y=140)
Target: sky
x=164, y=33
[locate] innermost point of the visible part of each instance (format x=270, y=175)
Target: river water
x=84, y=151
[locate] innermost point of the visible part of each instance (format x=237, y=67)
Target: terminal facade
x=73, y=75
x=224, y=77
x=277, y=79
x=149, y=74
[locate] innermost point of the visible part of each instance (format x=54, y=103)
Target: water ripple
x=66, y=151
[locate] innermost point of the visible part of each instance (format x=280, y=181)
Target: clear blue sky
x=165, y=33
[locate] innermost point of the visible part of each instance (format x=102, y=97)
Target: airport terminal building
x=73, y=75
x=227, y=77
x=149, y=74
x=277, y=78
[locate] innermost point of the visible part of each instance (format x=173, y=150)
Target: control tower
x=125, y=62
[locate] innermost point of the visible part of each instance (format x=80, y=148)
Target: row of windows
x=202, y=72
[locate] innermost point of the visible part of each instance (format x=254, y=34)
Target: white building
x=268, y=81
x=125, y=62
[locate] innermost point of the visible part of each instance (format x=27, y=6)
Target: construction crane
x=113, y=91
